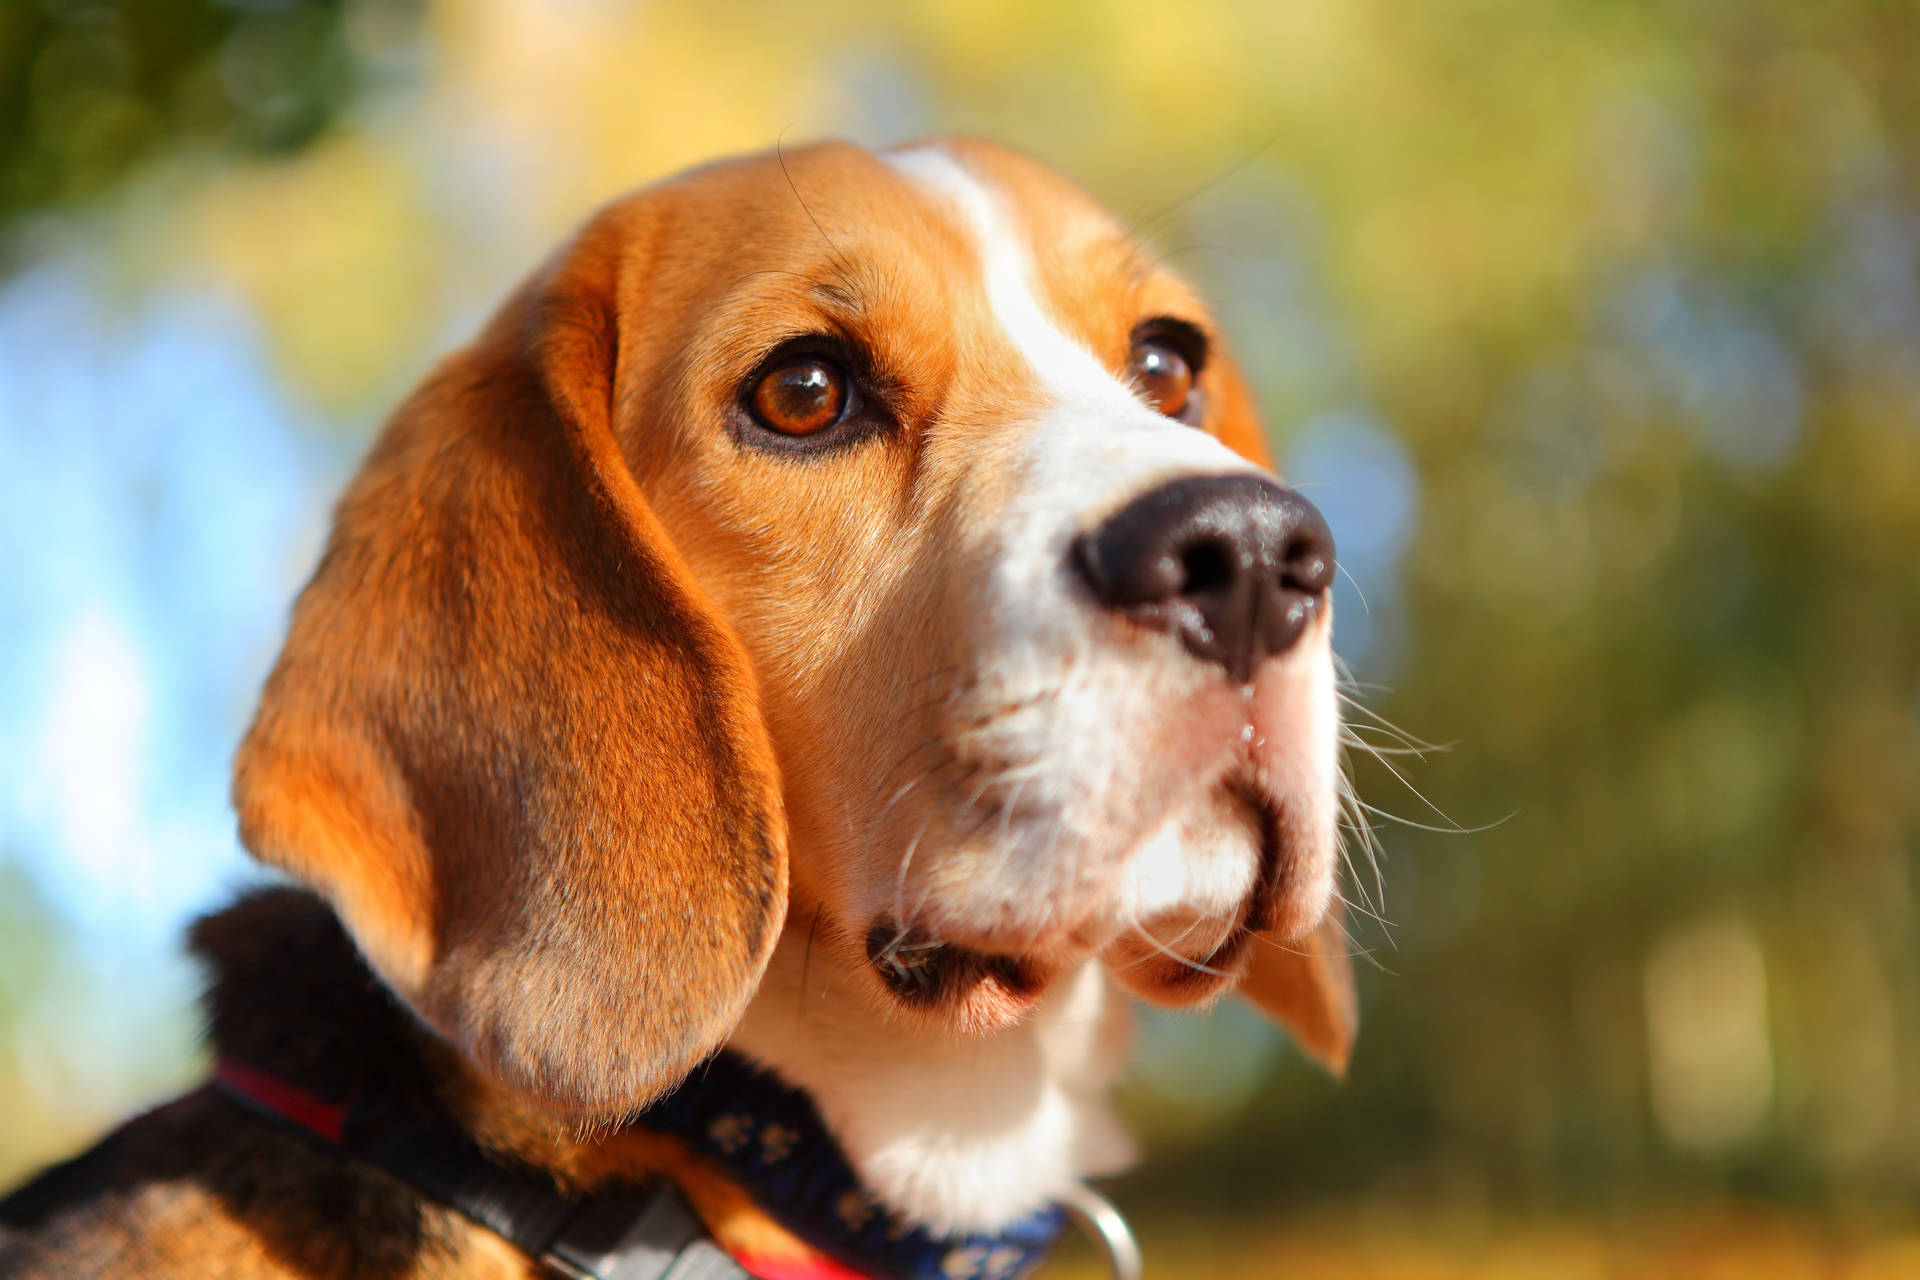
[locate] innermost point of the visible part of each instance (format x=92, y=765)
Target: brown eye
x=800, y=397
x=1163, y=375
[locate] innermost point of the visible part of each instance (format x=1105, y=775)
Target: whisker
x=900, y=877
x=1383, y=725
x=1355, y=583
x=806, y=957
x=1148, y=226
x=1444, y=831
x=1348, y=801
x=1171, y=954
x=833, y=250
x=1401, y=778
x=1360, y=908
x=1374, y=748
x=1394, y=734
x=1353, y=952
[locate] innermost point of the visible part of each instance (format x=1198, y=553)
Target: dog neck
x=961, y=1137
x=957, y=1133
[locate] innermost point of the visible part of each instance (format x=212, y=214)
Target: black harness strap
x=640, y=1231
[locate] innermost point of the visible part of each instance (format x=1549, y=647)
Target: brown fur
x=523, y=740
x=502, y=686
x=200, y=1187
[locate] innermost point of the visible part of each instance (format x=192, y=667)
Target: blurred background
x=1594, y=329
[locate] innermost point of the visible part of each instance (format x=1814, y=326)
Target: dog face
x=990, y=773
x=898, y=512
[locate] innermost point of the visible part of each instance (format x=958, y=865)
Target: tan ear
x=1306, y=986
x=509, y=738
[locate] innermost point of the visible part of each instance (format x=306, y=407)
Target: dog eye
x=801, y=396
x=1163, y=374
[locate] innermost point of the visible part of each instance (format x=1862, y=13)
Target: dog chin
x=1174, y=925
x=1235, y=837
x=975, y=975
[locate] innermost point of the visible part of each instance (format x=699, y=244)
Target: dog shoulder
x=199, y=1188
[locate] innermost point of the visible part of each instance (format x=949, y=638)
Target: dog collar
x=643, y=1231
x=765, y=1136
x=769, y=1139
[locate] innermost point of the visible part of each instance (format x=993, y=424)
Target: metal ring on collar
x=1094, y=1214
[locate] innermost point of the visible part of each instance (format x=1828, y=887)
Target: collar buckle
x=1095, y=1215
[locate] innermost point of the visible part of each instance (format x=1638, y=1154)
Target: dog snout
x=1236, y=566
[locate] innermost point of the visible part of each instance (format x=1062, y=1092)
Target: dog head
x=887, y=534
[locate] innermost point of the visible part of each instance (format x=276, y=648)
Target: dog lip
x=1174, y=973
x=908, y=960
x=924, y=970
x=1266, y=816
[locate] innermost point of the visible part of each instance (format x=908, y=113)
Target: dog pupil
x=801, y=397
x=1164, y=376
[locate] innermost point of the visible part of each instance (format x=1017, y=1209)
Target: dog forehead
x=979, y=288
x=917, y=232
x=1066, y=284
x=1049, y=214
x=825, y=192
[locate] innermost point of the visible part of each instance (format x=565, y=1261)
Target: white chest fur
x=957, y=1133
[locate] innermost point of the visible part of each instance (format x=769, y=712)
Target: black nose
x=1236, y=566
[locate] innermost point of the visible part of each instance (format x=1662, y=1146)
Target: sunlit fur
x=970, y=748
x=614, y=727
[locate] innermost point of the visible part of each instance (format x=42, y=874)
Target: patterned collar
x=770, y=1139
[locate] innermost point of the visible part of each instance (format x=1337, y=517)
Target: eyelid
x=867, y=412
x=1189, y=338
x=827, y=346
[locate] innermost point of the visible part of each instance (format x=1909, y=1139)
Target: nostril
x=1235, y=566
x=1305, y=565
x=1208, y=565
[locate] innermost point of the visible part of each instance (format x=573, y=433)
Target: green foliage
x=1664, y=601
x=89, y=88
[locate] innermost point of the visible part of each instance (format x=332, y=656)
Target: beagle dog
x=762, y=703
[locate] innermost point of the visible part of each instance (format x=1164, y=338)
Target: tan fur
x=503, y=698
x=579, y=665
x=1306, y=985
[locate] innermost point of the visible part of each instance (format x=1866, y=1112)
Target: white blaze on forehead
x=1065, y=367
x=1114, y=440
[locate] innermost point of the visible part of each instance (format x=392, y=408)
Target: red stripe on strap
x=764, y=1267
x=296, y=1106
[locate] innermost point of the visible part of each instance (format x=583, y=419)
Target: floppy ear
x=1304, y=984
x=509, y=738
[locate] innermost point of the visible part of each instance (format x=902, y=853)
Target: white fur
x=969, y=1133
x=960, y=1134
x=1096, y=448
